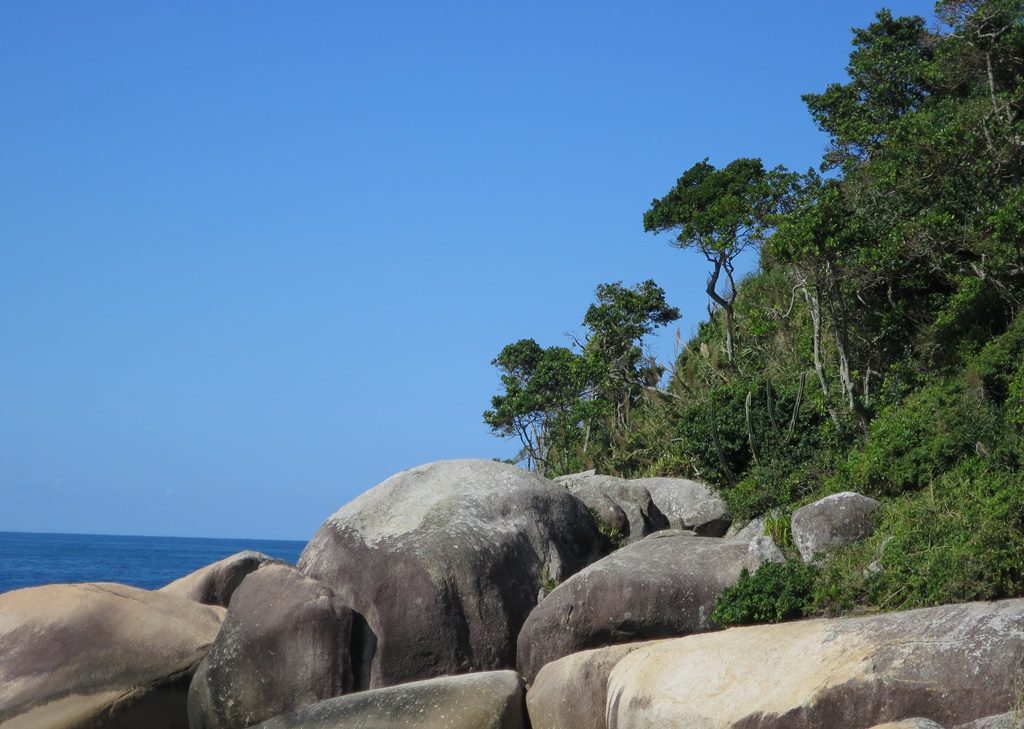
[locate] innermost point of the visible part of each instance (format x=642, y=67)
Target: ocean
x=28, y=559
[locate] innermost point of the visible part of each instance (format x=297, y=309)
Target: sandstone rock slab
x=953, y=664
x=99, y=655
x=570, y=693
x=490, y=700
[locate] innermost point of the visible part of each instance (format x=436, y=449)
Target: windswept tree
x=721, y=213
x=617, y=324
x=560, y=403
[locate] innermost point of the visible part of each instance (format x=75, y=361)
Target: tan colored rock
x=215, y=583
x=570, y=693
x=955, y=664
x=99, y=656
x=916, y=723
x=488, y=700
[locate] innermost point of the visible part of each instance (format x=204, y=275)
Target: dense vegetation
x=876, y=348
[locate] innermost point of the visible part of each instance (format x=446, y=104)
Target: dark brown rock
x=664, y=585
x=445, y=561
x=287, y=642
x=99, y=656
x=215, y=583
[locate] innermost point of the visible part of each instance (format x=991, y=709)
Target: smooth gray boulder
x=953, y=664
x=491, y=700
x=215, y=583
x=99, y=656
x=689, y=505
x=445, y=562
x=832, y=522
x=664, y=585
x=570, y=693
x=287, y=642
x=625, y=508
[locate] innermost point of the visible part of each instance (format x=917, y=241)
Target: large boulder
x=832, y=522
x=915, y=723
x=445, y=562
x=1010, y=720
x=287, y=642
x=689, y=505
x=215, y=583
x=664, y=585
x=492, y=700
x=624, y=508
x=570, y=693
x=99, y=656
x=953, y=664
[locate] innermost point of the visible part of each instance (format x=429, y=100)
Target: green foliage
x=928, y=434
x=777, y=591
x=877, y=348
x=613, y=538
x=958, y=540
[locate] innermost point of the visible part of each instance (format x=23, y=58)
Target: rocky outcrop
x=624, y=508
x=99, y=656
x=215, y=583
x=445, y=562
x=1009, y=720
x=664, y=585
x=832, y=522
x=492, y=700
x=953, y=664
x=915, y=723
x=287, y=642
x=570, y=693
x=689, y=505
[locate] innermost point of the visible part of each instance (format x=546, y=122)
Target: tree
x=618, y=322
x=721, y=213
x=556, y=401
x=548, y=400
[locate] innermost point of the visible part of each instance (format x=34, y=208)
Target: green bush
x=913, y=442
x=959, y=540
x=777, y=591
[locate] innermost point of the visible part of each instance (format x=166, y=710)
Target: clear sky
x=256, y=257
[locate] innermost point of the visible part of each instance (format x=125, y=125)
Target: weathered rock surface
x=623, y=505
x=832, y=522
x=689, y=505
x=215, y=583
x=445, y=562
x=954, y=664
x=1010, y=720
x=491, y=700
x=915, y=723
x=99, y=656
x=287, y=642
x=664, y=585
x=570, y=693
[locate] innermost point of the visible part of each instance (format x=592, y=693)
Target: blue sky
x=256, y=257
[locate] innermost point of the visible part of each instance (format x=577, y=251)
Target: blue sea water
x=28, y=559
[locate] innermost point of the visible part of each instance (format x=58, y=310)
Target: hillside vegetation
x=876, y=348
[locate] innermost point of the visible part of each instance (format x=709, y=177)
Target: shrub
x=777, y=591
